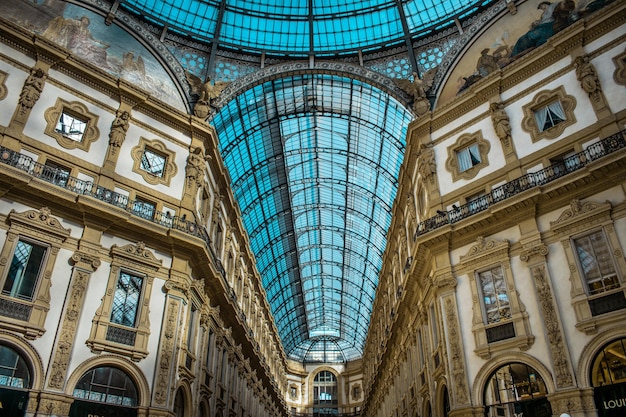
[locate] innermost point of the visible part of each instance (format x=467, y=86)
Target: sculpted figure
x=501, y=123
x=207, y=91
x=587, y=75
x=119, y=127
x=32, y=88
x=417, y=89
x=195, y=164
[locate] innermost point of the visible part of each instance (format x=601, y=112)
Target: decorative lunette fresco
x=85, y=34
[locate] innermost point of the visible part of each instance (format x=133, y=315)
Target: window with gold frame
x=596, y=264
x=26, y=264
x=72, y=125
x=121, y=324
x=500, y=321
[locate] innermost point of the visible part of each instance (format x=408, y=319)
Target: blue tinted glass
x=315, y=193
x=294, y=27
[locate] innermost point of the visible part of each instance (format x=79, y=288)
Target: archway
x=15, y=381
x=325, y=396
x=516, y=389
x=608, y=378
x=105, y=390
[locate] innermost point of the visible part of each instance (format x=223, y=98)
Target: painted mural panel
x=512, y=37
x=86, y=35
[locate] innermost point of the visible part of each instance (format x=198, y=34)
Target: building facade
x=128, y=283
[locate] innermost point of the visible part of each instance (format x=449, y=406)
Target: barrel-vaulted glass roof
x=313, y=161
x=302, y=27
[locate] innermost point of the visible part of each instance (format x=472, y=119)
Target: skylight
x=313, y=161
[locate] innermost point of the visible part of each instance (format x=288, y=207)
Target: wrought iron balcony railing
x=523, y=183
x=61, y=178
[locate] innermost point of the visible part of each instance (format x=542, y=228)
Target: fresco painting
x=513, y=37
x=86, y=35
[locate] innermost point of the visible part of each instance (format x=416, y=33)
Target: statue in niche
x=207, y=92
x=501, y=123
x=119, y=127
x=426, y=162
x=195, y=164
x=417, y=88
x=587, y=75
x=32, y=89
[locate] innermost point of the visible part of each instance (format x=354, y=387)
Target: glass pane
x=596, y=262
x=71, y=127
x=14, y=371
x=153, y=162
x=107, y=385
x=126, y=299
x=24, y=270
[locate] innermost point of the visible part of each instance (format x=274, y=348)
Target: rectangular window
x=144, y=208
x=55, y=173
x=433, y=324
x=191, y=330
x=549, y=116
x=126, y=299
x=24, y=271
x=71, y=127
x=596, y=262
x=153, y=162
x=468, y=157
x=494, y=294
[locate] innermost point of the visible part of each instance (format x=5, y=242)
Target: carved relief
x=619, y=75
x=119, y=127
x=33, y=87
x=553, y=331
x=426, y=164
x=456, y=354
x=501, y=123
x=68, y=329
x=167, y=353
x=588, y=77
x=3, y=87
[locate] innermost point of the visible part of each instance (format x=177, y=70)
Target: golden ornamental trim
x=78, y=110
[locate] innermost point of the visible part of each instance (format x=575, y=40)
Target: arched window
x=609, y=365
x=325, y=394
x=516, y=388
x=107, y=385
x=446, y=402
x=15, y=380
x=14, y=372
x=179, y=403
x=608, y=377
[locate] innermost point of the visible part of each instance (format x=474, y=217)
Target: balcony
x=525, y=182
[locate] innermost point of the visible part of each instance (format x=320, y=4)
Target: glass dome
x=304, y=27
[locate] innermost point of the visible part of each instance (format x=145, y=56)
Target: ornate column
x=567, y=398
x=166, y=363
x=84, y=265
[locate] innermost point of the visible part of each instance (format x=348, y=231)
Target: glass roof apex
x=303, y=27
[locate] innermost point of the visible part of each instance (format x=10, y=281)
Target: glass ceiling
x=313, y=161
x=302, y=27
